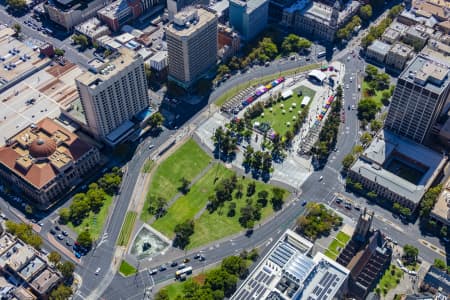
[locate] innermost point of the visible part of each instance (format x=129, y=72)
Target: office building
x=20, y=262
x=416, y=36
x=112, y=93
x=436, y=281
x=377, y=51
x=421, y=92
x=92, y=29
x=69, y=13
x=249, y=18
x=176, y=6
x=192, y=45
x=120, y=12
x=287, y=272
x=318, y=20
x=44, y=161
x=398, y=55
x=397, y=169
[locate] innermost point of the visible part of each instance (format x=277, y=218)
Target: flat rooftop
x=250, y=5
x=17, y=59
x=17, y=256
x=386, y=145
x=286, y=272
x=108, y=68
x=45, y=280
x=379, y=47
x=203, y=17
x=41, y=95
x=428, y=71
x=401, y=49
x=30, y=269
x=6, y=241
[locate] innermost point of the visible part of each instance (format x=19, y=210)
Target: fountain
x=147, y=244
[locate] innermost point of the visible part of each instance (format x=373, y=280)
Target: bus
x=180, y=274
x=321, y=54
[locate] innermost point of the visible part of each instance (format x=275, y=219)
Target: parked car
x=162, y=268
x=60, y=237
x=304, y=203
x=69, y=243
x=52, y=231
x=57, y=228
x=65, y=233
x=201, y=258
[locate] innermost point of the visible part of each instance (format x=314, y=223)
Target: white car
x=97, y=271
x=320, y=178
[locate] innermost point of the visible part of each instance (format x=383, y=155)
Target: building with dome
x=44, y=160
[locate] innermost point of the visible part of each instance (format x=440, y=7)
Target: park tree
x=64, y=215
x=263, y=197
x=79, y=208
x=110, y=182
x=96, y=198
x=85, y=239
x=62, y=292
x=257, y=161
x=183, y=231
x=54, y=257
x=371, y=72
x=294, y=43
x=251, y=188
x=266, y=163
x=247, y=216
x=365, y=12
x=81, y=40
x=185, y=183
x=17, y=4
x=410, y=253
x=367, y=109
x=231, y=209
x=219, y=279
x=66, y=268
x=156, y=120
x=157, y=206
x=277, y=198
x=235, y=265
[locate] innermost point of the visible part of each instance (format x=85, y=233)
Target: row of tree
x=219, y=283
x=377, y=31
x=328, y=134
x=64, y=290
x=25, y=233
x=346, y=32
x=225, y=142
x=259, y=162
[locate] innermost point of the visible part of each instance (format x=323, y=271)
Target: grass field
x=126, y=269
x=94, y=222
x=209, y=227
x=378, y=94
x=187, y=206
x=389, y=281
x=263, y=80
x=127, y=228
x=277, y=119
x=337, y=245
x=188, y=161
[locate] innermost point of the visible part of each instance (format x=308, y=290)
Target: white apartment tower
x=192, y=45
x=114, y=92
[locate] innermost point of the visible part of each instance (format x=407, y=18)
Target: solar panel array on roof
x=324, y=287
x=299, y=267
x=282, y=254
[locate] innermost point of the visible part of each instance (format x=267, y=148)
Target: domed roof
x=42, y=147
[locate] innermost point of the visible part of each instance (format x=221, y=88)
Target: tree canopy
x=294, y=43
x=25, y=233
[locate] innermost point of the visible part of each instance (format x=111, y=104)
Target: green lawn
x=209, y=227
x=126, y=269
x=377, y=97
x=336, y=246
x=127, y=228
x=331, y=255
x=342, y=237
x=94, y=222
x=389, y=281
x=263, y=80
x=188, y=161
x=277, y=119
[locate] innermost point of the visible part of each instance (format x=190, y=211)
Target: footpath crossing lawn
x=188, y=161
x=127, y=228
x=94, y=222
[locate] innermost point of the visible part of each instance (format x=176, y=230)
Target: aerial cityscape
x=224, y=149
